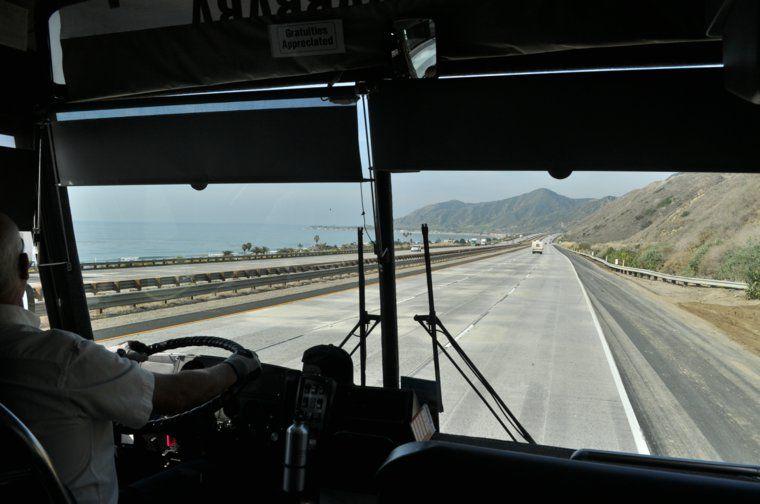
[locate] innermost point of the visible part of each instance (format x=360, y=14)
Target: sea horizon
x=102, y=241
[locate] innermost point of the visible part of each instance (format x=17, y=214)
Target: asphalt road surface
x=695, y=392
x=524, y=320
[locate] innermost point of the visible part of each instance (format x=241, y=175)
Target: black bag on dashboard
x=329, y=361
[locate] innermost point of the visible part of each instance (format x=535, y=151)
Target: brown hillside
x=680, y=214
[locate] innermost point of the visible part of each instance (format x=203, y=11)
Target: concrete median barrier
x=133, y=292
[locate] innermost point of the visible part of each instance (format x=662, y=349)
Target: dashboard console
x=351, y=430
x=360, y=448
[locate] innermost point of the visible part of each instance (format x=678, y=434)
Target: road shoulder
x=633, y=421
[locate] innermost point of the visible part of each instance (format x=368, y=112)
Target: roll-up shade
x=676, y=120
x=306, y=144
x=18, y=183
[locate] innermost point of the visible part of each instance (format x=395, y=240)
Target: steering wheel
x=163, y=423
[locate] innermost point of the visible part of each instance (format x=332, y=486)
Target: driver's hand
x=133, y=350
x=244, y=363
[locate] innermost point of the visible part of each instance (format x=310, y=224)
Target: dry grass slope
x=695, y=221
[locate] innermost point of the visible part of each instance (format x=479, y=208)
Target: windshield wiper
x=432, y=325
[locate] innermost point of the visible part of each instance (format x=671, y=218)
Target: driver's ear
x=23, y=266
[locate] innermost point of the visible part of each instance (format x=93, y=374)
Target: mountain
x=695, y=219
x=536, y=211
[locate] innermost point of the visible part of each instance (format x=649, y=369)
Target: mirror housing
x=414, y=53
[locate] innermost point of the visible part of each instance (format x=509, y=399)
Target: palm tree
x=247, y=246
x=316, y=239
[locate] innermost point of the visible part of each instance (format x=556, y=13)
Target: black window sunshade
x=18, y=185
x=304, y=144
x=669, y=120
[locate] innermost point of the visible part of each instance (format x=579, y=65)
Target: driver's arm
x=174, y=393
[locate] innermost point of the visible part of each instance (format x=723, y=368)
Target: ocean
x=107, y=241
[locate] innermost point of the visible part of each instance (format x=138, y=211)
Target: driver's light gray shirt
x=68, y=391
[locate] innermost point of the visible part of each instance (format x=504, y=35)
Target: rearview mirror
x=414, y=53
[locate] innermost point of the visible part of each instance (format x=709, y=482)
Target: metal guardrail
x=257, y=278
x=172, y=261
x=665, y=277
x=140, y=263
x=193, y=279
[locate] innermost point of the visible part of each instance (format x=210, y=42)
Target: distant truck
x=537, y=247
x=483, y=241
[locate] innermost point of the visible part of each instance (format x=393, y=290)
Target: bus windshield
x=610, y=311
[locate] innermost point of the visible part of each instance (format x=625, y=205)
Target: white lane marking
x=456, y=338
x=633, y=422
x=471, y=326
x=425, y=292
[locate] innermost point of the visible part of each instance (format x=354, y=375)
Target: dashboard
x=358, y=445
x=249, y=431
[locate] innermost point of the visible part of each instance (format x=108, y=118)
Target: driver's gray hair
x=10, y=249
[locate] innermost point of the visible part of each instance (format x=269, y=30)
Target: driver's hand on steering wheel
x=133, y=350
x=243, y=363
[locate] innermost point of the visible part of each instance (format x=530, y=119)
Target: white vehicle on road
x=414, y=248
x=537, y=247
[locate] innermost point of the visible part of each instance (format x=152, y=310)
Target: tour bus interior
x=422, y=85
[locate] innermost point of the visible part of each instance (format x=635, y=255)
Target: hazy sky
x=330, y=203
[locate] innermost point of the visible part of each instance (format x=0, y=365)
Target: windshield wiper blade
x=432, y=325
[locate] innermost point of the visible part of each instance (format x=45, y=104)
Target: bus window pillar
x=386, y=261
x=59, y=268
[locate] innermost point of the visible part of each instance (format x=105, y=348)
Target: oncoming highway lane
x=523, y=320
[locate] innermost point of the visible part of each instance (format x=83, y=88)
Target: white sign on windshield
x=307, y=39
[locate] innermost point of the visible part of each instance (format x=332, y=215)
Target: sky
x=333, y=204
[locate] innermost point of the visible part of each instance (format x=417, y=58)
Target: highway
x=629, y=374
x=523, y=319
x=695, y=392
x=114, y=274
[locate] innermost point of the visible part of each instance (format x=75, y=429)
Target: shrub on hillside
x=651, y=258
x=743, y=264
x=665, y=202
x=692, y=268
x=753, y=281
x=628, y=257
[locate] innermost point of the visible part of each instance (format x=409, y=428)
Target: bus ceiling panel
x=674, y=120
x=105, y=49
x=308, y=144
x=18, y=185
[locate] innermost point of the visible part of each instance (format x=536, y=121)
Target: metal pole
x=433, y=317
x=386, y=262
x=59, y=269
x=362, y=311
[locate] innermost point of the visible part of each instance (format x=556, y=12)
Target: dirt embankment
x=740, y=323
x=727, y=310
